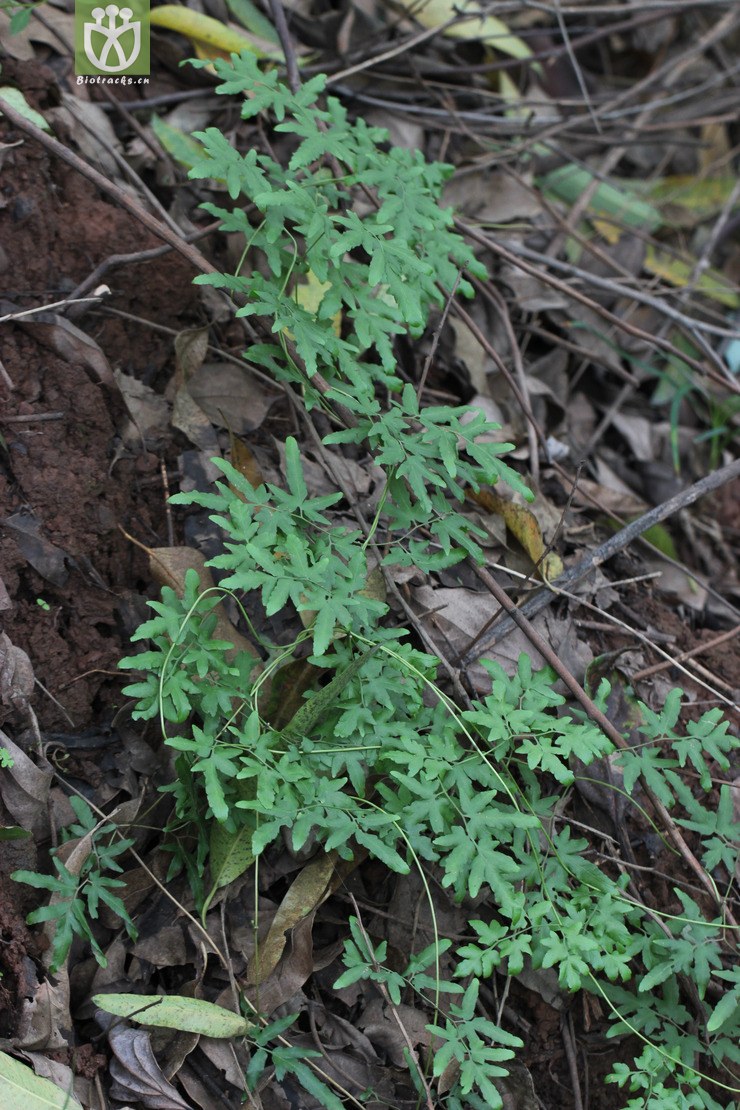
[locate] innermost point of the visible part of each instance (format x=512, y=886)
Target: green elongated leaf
x=293, y=468
x=477, y=27
x=252, y=18
x=724, y=1009
x=17, y=100
x=20, y=19
x=285, y=695
x=22, y=1089
x=679, y=271
x=661, y=538
x=570, y=182
x=309, y=713
x=686, y=199
x=182, y=147
x=189, y=1015
x=14, y=832
x=230, y=856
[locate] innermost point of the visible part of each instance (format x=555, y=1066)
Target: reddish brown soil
x=55, y=229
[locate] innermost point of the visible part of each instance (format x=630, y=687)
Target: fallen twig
x=602, y=553
x=699, y=650
x=59, y=150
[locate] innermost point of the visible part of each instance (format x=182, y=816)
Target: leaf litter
x=301, y=912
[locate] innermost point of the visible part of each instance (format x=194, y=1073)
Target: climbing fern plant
x=347, y=248
x=361, y=225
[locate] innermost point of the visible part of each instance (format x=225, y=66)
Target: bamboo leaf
x=189, y=1015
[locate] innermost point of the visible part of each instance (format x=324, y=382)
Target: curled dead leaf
x=524, y=526
x=309, y=890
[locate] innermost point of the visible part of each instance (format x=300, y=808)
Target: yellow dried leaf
x=210, y=37
x=485, y=29
x=522, y=524
x=678, y=271
x=309, y=294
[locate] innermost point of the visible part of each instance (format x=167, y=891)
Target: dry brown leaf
x=517, y=1089
x=55, y=23
x=5, y=602
x=532, y=294
x=231, y=397
x=188, y=417
x=609, y=478
x=223, y=1054
x=307, y=892
x=677, y=583
x=72, y=344
x=619, y=502
x=191, y=346
x=90, y=130
x=139, y=883
x=381, y=1027
x=357, y=1075
x=243, y=460
x=586, y=328
x=62, y=1075
x=544, y=982
x=639, y=432
x=491, y=196
x=167, y=947
x=134, y=1069
x=46, y=1023
x=478, y=362
x=201, y=1094
x=16, y=676
x=148, y=410
x=45, y=557
x=489, y=408
x=172, y=1047
x=340, y=1033
x=457, y=615
x=24, y=788
x=291, y=973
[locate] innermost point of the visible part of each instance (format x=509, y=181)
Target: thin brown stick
x=5, y=377
x=569, y=1044
x=387, y=55
x=651, y=642
x=713, y=643
x=688, y=323
x=477, y=333
x=611, y=547
x=113, y=261
x=534, y=432
x=517, y=258
x=281, y=26
x=32, y=418
x=436, y=337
